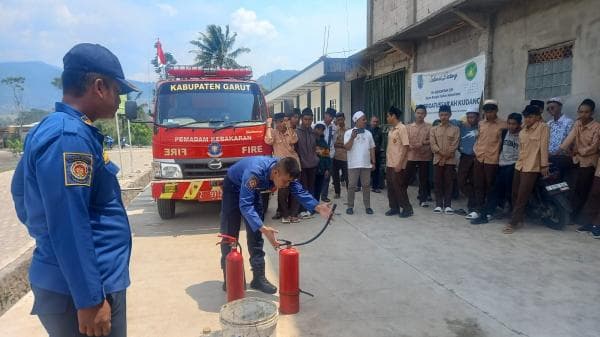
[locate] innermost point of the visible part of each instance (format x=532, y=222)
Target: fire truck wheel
x=166, y=208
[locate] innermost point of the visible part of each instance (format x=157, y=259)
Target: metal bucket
x=249, y=317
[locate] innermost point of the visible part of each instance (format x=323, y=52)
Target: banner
x=460, y=86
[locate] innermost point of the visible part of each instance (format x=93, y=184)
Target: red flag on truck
x=159, y=53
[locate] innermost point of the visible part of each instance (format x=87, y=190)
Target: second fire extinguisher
x=234, y=269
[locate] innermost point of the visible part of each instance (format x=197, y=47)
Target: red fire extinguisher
x=289, y=272
x=289, y=275
x=234, y=269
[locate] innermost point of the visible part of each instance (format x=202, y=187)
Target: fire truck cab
x=205, y=120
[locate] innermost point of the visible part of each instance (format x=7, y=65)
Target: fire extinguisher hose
x=291, y=244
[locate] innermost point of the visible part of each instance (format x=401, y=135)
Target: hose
x=290, y=244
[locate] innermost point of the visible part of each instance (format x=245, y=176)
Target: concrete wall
x=389, y=16
x=448, y=49
x=539, y=24
x=425, y=8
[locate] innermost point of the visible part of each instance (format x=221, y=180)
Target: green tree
x=168, y=57
x=57, y=83
x=17, y=85
x=215, y=48
x=141, y=134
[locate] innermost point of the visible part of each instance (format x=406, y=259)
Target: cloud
x=245, y=23
x=167, y=9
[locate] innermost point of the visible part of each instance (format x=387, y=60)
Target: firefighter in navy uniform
x=67, y=194
x=242, y=186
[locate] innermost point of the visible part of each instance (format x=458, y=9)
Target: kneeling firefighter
x=241, y=197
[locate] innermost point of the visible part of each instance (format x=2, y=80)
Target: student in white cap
x=360, y=148
x=560, y=126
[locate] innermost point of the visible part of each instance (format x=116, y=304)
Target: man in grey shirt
x=306, y=147
x=502, y=190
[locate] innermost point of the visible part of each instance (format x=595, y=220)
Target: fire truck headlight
x=170, y=170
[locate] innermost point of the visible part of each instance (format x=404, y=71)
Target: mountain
x=39, y=93
x=272, y=80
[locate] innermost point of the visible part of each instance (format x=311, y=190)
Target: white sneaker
x=424, y=204
x=305, y=215
x=449, y=211
x=285, y=220
x=437, y=210
x=472, y=216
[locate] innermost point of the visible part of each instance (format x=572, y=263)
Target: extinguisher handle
x=227, y=239
x=285, y=242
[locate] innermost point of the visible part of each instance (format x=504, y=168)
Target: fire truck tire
x=166, y=208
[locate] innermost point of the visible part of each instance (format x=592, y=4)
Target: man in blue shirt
x=242, y=186
x=468, y=135
x=67, y=194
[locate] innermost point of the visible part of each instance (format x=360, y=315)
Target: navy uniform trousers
x=231, y=220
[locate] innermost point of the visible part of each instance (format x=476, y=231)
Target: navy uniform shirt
x=251, y=175
x=69, y=198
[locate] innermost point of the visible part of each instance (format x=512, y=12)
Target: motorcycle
x=549, y=201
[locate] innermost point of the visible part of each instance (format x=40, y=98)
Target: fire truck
x=204, y=121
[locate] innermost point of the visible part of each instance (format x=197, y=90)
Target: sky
x=281, y=34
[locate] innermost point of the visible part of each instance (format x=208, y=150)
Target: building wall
x=539, y=24
x=389, y=17
x=449, y=49
x=315, y=103
x=303, y=101
x=427, y=7
x=332, y=91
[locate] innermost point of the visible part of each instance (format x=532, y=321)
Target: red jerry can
x=289, y=275
x=234, y=270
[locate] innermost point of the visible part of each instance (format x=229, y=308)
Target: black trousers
x=501, y=191
x=377, y=175
x=287, y=203
x=466, y=179
x=583, y=184
x=444, y=183
x=231, y=220
x=58, y=314
x=424, y=168
x=339, y=165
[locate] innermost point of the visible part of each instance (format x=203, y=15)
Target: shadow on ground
x=210, y=296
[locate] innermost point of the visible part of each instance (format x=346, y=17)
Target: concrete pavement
x=430, y=275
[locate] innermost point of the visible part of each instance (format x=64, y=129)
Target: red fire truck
x=205, y=120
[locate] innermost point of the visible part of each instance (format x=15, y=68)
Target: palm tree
x=215, y=48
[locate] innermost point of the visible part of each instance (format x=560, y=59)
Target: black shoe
x=482, y=219
x=325, y=200
x=349, y=211
x=585, y=228
x=261, y=283
x=595, y=232
x=406, y=213
x=376, y=190
x=391, y=212
x=277, y=216
x=369, y=211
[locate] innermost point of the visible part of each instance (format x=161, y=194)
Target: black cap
x=330, y=111
x=445, y=108
x=278, y=116
x=94, y=58
x=531, y=110
x=307, y=112
x=340, y=114
x=537, y=103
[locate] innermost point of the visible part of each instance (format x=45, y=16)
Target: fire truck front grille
x=194, y=171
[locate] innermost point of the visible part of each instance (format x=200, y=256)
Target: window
x=549, y=72
x=333, y=103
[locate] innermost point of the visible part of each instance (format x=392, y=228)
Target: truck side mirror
x=131, y=110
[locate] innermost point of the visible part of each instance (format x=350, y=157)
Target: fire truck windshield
x=209, y=104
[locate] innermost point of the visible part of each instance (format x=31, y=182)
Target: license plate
x=210, y=195
x=170, y=188
x=558, y=187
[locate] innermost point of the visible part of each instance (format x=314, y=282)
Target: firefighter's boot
x=261, y=283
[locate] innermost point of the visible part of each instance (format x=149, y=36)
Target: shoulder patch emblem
x=252, y=183
x=78, y=169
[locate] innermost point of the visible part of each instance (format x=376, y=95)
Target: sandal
x=508, y=229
